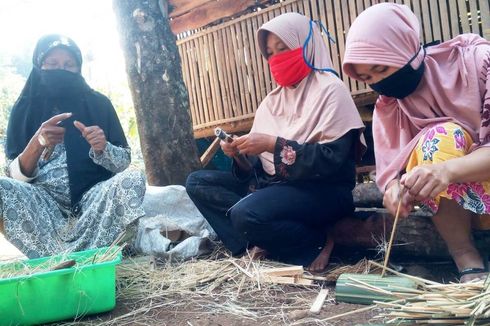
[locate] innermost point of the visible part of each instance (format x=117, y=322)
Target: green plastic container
x=345, y=292
x=57, y=295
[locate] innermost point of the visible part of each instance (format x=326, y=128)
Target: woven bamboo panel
x=227, y=77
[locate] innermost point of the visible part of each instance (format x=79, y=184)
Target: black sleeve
x=295, y=161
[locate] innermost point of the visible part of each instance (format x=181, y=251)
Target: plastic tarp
x=173, y=228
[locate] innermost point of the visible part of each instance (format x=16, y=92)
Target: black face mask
x=62, y=83
x=401, y=83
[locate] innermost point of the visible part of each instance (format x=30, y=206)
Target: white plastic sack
x=173, y=228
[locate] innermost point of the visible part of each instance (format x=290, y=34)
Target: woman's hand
x=50, y=133
x=392, y=197
x=255, y=143
x=94, y=135
x=229, y=149
x=426, y=181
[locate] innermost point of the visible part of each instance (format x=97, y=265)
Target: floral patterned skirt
x=444, y=142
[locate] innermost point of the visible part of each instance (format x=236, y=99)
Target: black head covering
x=50, y=92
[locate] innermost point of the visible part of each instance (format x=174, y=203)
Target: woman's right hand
x=50, y=133
x=391, y=199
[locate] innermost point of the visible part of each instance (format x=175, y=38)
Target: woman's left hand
x=94, y=135
x=255, y=143
x=426, y=181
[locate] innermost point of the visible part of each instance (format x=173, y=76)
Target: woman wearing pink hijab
x=430, y=124
x=301, y=150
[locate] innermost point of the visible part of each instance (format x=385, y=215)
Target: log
x=367, y=195
x=416, y=235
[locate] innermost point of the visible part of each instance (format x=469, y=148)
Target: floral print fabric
x=443, y=142
x=39, y=221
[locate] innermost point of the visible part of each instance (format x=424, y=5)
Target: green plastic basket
x=61, y=294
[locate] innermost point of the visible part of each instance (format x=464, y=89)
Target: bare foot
x=257, y=253
x=321, y=261
x=469, y=277
x=470, y=265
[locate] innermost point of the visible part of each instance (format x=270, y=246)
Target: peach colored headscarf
x=320, y=109
x=454, y=87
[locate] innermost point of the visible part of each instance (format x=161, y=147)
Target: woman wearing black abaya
x=66, y=150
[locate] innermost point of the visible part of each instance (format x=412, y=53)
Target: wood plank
x=319, y=301
x=229, y=74
x=346, y=25
x=283, y=271
x=427, y=28
x=196, y=82
x=475, y=27
x=223, y=74
x=435, y=20
x=230, y=46
x=242, y=71
x=418, y=13
x=485, y=18
x=249, y=49
x=287, y=280
x=208, y=155
x=210, y=80
x=214, y=77
x=340, y=41
x=236, y=70
x=257, y=59
x=203, y=80
x=208, y=13
x=445, y=21
x=463, y=16
x=307, y=8
x=453, y=17
x=261, y=19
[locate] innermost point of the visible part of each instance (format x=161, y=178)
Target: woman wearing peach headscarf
x=301, y=148
x=430, y=124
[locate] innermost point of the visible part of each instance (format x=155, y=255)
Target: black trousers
x=289, y=220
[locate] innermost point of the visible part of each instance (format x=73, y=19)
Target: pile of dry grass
x=214, y=285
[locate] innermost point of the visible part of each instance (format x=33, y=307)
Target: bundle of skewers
x=433, y=303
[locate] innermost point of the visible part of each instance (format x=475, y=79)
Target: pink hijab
x=454, y=86
x=320, y=109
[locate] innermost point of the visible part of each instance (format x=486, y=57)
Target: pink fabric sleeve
x=394, y=138
x=484, y=133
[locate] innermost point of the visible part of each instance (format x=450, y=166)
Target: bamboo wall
x=227, y=77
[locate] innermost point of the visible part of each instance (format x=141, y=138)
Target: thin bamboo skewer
x=393, y=231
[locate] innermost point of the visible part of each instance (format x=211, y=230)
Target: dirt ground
x=283, y=305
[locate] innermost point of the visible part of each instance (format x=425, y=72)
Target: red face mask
x=289, y=68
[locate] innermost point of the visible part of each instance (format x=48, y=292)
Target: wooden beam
x=208, y=155
x=231, y=126
x=180, y=7
x=207, y=13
